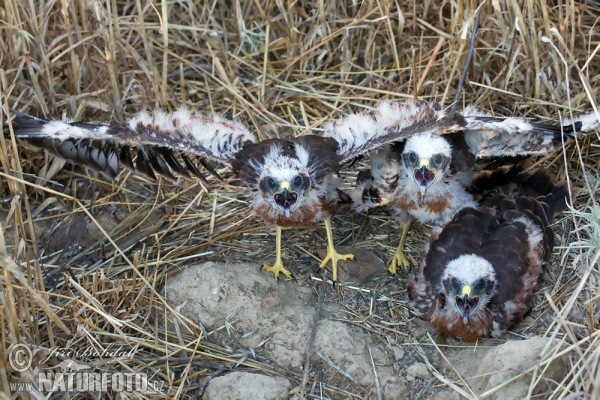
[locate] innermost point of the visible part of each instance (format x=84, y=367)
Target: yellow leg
x=399, y=259
x=278, y=266
x=333, y=255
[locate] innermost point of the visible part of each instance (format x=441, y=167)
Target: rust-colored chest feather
x=307, y=214
x=474, y=329
x=430, y=204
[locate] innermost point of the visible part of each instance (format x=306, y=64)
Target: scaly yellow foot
x=399, y=259
x=277, y=268
x=333, y=255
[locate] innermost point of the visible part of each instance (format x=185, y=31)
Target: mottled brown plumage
x=427, y=176
x=292, y=182
x=479, y=272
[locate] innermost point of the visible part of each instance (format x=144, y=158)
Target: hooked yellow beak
x=466, y=291
x=424, y=176
x=286, y=199
x=466, y=304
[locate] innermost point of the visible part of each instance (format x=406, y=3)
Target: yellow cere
x=466, y=290
x=424, y=162
x=285, y=185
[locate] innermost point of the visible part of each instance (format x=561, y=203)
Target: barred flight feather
x=489, y=136
x=158, y=140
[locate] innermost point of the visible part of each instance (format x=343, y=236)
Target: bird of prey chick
x=291, y=182
x=479, y=273
x=426, y=176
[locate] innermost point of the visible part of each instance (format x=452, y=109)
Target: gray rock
x=504, y=362
x=417, y=370
x=246, y=385
x=398, y=353
x=446, y=395
x=259, y=308
x=346, y=348
x=393, y=388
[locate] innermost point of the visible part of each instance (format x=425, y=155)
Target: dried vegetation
x=86, y=259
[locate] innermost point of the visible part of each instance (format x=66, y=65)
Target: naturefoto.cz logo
x=73, y=376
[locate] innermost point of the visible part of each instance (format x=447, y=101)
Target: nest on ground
x=87, y=258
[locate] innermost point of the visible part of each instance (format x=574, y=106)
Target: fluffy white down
x=508, y=137
x=63, y=131
x=426, y=145
x=281, y=167
x=589, y=122
x=218, y=135
x=468, y=268
x=355, y=130
x=460, y=198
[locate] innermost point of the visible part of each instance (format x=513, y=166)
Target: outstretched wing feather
x=172, y=162
x=390, y=122
x=156, y=138
x=489, y=136
x=158, y=164
x=190, y=165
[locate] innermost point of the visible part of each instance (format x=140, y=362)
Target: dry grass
x=283, y=68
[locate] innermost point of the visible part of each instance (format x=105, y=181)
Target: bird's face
x=469, y=283
x=285, y=192
x=468, y=297
x=426, y=159
x=425, y=171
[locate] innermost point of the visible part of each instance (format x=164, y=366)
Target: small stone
x=398, y=353
x=305, y=290
x=393, y=388
x=419, y=333
x=365, y=264
x=246, y=385
x=446, y=395
x=503, y=363
x=417, y=370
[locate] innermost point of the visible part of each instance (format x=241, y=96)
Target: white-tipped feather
x=352, y=132
x=589, y=122
x=302, y=155
x=220, y=137
x=505, y=137
x=513, y=136
x=63, y=131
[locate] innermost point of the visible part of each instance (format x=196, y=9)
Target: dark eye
x=412, y=157
x=437, y=159
x=456, y=286
x=297, y=181
x=271, y=183
x=479, y=286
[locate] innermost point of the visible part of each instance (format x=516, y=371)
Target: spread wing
x=489, y=136
x=359, y=133
x=161, y=143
